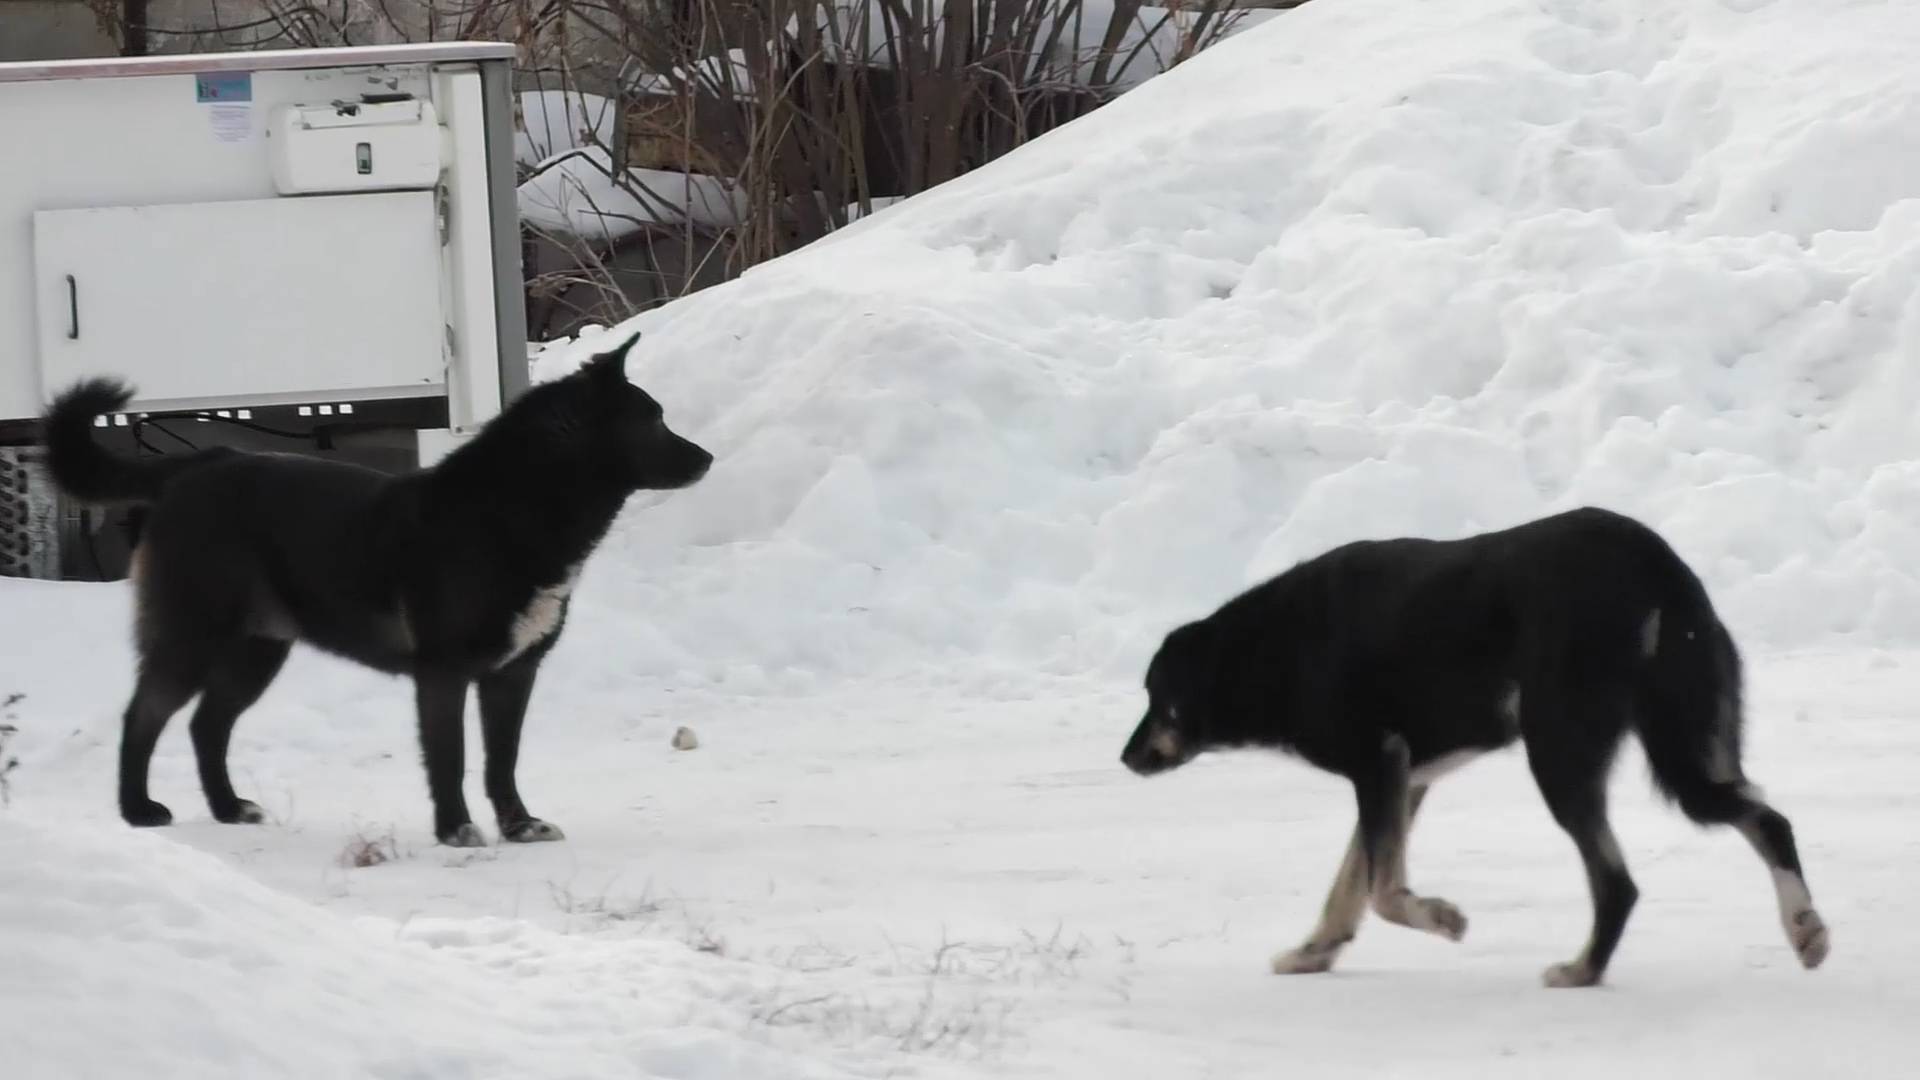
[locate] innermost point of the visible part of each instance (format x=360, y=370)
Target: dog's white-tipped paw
x=468, y=835
x=1439, y=917
x=532, y=831
x=1428, y=914
x=1305, y=960
x=1572, y=974
x=1808, y=935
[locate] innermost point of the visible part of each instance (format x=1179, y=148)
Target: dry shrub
x=807, y=111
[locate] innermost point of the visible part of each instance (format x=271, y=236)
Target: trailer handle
x=73, y=309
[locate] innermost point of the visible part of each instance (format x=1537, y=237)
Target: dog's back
x=1577, y=587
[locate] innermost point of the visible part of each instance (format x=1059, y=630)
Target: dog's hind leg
x=236, y=681
x=1570, y=761
x=1771, y=835
x=168, y=680
x=1734, y=802
x=1612, y=888
x=503, y=709
x=1689, y=716
x=442, y=701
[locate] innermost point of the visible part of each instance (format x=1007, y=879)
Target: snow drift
x=210, y=974
x=1372, y=268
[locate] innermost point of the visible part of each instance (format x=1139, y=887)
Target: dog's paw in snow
x=1437, y=916
x=242, y=812
x=531, y=831
x=1305, y=960
x=1574, y=973
x=1428, y=913
x=146, y=814
x=1808, y=935
x=465, y=835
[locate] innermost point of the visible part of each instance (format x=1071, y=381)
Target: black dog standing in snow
x=456, y=575
x=1392, y=662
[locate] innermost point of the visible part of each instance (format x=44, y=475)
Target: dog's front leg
x=1375, y=856
x=1339, y=918
x=442, y=702
x=1387, y=807
x=503, y=709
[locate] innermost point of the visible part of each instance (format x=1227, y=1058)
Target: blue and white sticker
x=223, y=88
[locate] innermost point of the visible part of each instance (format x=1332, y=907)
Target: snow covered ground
x=928, y=877
x=1371, y=268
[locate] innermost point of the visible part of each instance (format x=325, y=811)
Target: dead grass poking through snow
x=365, y=850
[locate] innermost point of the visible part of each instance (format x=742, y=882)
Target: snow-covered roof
x=577, y=193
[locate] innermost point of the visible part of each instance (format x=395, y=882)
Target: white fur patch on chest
x=541, y=617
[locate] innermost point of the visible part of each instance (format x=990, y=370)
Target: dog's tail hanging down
x=1688, y=710
x=87, y=471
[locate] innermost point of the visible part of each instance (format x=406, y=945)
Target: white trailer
x=315, y=250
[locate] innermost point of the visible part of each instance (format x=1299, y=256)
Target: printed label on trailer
x=228, y=96
x=231, y=123
x=223, y=87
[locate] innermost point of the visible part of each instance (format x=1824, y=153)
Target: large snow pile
x=1374, y=268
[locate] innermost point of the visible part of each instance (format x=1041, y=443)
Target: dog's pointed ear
x=613, y=365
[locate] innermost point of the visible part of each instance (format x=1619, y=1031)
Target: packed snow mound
x=122, y=954
x=576, y=193
x=1370, y=269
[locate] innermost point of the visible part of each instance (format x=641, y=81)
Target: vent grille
x=29, y=515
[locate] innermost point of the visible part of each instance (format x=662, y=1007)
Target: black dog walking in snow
x=457, y=575
x=1391, y=662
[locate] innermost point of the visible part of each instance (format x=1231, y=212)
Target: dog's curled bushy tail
x=84, y=469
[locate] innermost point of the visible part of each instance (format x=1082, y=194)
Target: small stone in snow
x=685, y=739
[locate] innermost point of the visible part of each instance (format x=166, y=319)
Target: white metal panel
x=383, y=146
x=473, y=393
x=84, y=142
x=203, y=304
